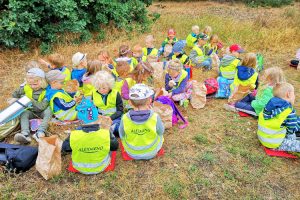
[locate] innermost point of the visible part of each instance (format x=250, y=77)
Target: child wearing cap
x=56, y=61
x=171, y=39
x=79, y=67
x=125, y=55
x=191, y=39
x=149, y=50
x=62, y=105
x=278, y=123
x=141, y=130
x=179, y=53
x=230, y=62
x=34, y=89
x=176, y=83
x=198, y=55
x=107, y=100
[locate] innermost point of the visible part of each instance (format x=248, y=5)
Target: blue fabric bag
x=87, y=111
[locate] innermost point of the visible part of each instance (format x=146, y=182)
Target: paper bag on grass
x=158, y=74
x=71, y=86
x=48, y=162
x=198, y=98
x=165, y=112
x=239, y=93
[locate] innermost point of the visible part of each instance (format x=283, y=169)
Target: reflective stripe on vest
x=29, y=92
x=70, y=114
x=110, y=107
x=249, y=82
x=229, y=71
x=270, y=133
x=90, y=151
x=182, y=59
x=141, y=139
x=67, y=72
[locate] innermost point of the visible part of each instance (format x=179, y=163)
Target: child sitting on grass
x=79, y=67
x=207, y=31
x=176, y=83
x=107, y=100
x=149, y=50
x=230, y=62
x=212, y=45
x=123, y=69
x=141, y=130
x=34, y=89
x=171, y=39
x=92, y=68
x=278, y=123
x=56, y=61
x=253, y=105
x=198, y=55
x=125, y=55
x=179, y=53
x=191, y=39
x=105, y=58
x=62, y=105
x=137, y=54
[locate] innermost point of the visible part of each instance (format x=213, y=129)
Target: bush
x=23, y=22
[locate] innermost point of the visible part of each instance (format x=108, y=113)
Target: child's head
x=149, y=41
x=249, y=60
x=272, y=76
x=93, y=67
x=56, y=60
x=123, y=69
x=104, y=57
x=214, y=39
x=174, y=68
x=137, y=51
x=142, y=71
x=56, y=79
x=178, y=47
x=195, y=29
x=103, y=82
x=79, y=60
x=35, y=78
x=202, y=39
x=171, y=34
x=236, y=49
x=167, y=50
x=207, y=30
x=284, y=91
x=140, y=96
x=124, y=51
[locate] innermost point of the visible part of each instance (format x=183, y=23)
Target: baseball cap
x=36, y=72
x=237, y=48
x=77, y=58
x=171, y=32
x=140, y=91
x=55, y=75
x=202, y=37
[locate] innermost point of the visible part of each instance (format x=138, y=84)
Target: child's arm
x=125, y=91
x=160, y=126
x=64, y=105
x=120, y=108
x=39, y=106
x=181, y=87
x=292, y=123
x=18, y=93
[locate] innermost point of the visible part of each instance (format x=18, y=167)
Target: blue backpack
x=224, y=88
x=87, y=111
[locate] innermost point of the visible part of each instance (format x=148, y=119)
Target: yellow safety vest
x=110, y=107
x=120, y=82
x=229, y=71
x=141, y=139
x=270, y=133
x=191, y=40
x=182, y=59
x=181, y=78
x=67, y=72
x=62, y=115
x=154, y=52
x=87, y=89
x=246, y=83
x=90, y=151
x=29, y=92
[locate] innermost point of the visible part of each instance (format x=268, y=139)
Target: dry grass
x=218, y=155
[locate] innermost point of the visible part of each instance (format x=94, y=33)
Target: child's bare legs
x=290, y=143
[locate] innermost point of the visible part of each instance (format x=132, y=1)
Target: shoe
x=38, y=135
x=229, y=107
x=22, y=138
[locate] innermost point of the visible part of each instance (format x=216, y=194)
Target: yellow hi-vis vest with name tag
x=62, y=115
x=229, y=71
x=270, y=133
x=141, y=139
x=110, y=107
x=90, y=151
x=29, y=92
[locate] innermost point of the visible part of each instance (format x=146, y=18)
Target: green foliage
x=270, y=3
x=22, y=22
x=174, y=189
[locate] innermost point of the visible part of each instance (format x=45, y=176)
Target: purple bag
x=176, y=112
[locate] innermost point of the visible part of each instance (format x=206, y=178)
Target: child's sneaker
x=22, y=138
x=229, y=107
x=38, y=135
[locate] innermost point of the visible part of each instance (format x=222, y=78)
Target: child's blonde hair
x=56, y=59
x=137, y=48
x=106, y=56
x=42, y=81
x=142, y=71
x=93, y=67
x=103, y=78
x=124, y=50
x=249, y=60
x=281, y=89
x=214, y=36
x=150, y=38
x=207, y=30
x=195, y=28
x=123, y=69
x=175, y=65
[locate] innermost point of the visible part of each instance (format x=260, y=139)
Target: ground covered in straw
x=218, y=155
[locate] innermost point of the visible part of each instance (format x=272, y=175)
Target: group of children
x=122, y=90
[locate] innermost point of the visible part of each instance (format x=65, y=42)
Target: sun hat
x=36, y=72
x=140, y=91
x=55, y=75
